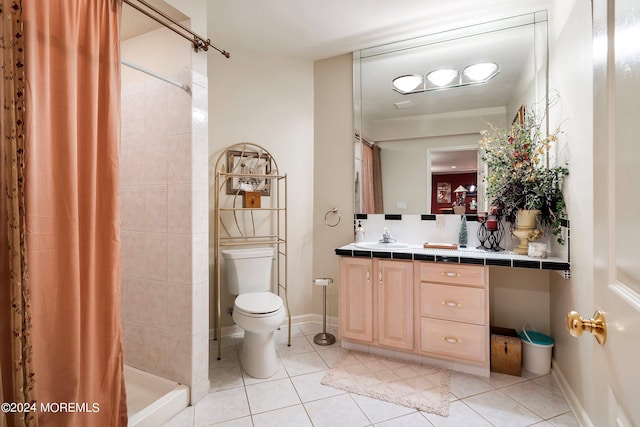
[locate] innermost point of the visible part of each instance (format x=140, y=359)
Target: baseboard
x=295, y=320
x=572, y=400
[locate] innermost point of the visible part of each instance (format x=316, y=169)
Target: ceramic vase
x=526, y=229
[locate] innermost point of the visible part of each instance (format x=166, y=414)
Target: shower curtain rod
x=182, y=86
x=196, y=40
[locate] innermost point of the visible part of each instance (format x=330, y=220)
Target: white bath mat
x=411, y=384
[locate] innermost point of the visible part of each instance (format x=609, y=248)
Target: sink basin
x=380, y=245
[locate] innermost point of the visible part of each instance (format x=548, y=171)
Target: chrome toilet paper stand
x=323, y=338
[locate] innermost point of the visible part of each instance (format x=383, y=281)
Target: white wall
x=268, y=100
x=333, y=172
x=571, y=75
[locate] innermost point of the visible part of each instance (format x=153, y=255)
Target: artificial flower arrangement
x=519, y=177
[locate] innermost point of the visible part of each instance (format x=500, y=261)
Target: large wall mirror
x=416, y=142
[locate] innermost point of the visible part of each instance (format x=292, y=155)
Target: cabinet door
x=395, y=303
x=356, y=299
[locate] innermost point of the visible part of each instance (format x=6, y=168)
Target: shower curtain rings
x=335, y=212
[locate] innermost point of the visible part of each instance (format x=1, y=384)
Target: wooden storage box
x=506, y=351
x=251, y=199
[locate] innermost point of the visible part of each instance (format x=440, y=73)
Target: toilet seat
x=258, y=304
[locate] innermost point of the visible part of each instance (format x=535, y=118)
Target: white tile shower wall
x=164, y=225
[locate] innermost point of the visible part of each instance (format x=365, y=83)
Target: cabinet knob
x=452, y=340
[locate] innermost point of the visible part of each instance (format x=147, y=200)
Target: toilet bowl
x=259, y=314
x=256, y=310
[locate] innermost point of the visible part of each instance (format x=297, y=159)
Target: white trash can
x=536, y=351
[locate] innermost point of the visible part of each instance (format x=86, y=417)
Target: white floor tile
x=315, y=328
x=272, y=395
x=459, y=415
x=281, y=335
x=291, y=416
x=238, y=422
x=549, y=383
x=464, y=385
x=337, y=411
x=414, y=419
x=497, y=380
x=537, y=399
x=309, y=388
x=332, y=355
x=225, y=378
x=298, y=345
x=280, y=373
x=501, y=411
x=304, y=363
x=228, y=356
x=221, y=406
x=378, y=411
x=564, y=420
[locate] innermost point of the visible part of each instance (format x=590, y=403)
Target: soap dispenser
x=359, y=233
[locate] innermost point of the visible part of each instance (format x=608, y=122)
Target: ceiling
x=322, y=29
x=459, y=161
x=135, y=23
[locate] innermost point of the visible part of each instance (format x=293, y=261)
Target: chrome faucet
x=386, y=237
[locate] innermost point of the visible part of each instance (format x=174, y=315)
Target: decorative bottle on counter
x=359, y=233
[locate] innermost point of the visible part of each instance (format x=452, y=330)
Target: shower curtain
x=72, y=66
x=372, y=179
x=16, y=363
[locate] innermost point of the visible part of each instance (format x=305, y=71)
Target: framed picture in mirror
x=444, y=192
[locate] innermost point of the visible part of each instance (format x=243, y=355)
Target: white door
x=616, y=364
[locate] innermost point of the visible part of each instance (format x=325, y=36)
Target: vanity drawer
x=460, y=340
x=456, y=274
x=459, y=303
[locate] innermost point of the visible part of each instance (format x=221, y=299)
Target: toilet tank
x=248, y=270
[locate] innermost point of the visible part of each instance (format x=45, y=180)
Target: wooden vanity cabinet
x=433, y=309
x=376, y=302
x=453, y=312
x=356, y=299
x=393, y=298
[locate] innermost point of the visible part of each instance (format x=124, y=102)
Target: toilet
x=256, y=309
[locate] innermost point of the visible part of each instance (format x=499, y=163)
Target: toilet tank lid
x=258, y=302
x=247, y=253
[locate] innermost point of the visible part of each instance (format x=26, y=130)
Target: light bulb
x=407, y=83
x=481, y=72
x=442, y=77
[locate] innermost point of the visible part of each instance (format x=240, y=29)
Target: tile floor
x=294, y=396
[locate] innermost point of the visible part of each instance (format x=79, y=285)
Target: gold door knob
x=597, y=326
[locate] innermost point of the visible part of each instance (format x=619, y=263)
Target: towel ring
x=332, y=211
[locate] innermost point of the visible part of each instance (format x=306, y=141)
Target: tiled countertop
x=459, y=256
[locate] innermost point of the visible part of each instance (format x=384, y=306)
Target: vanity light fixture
x=408, y=84
x=474, y=74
